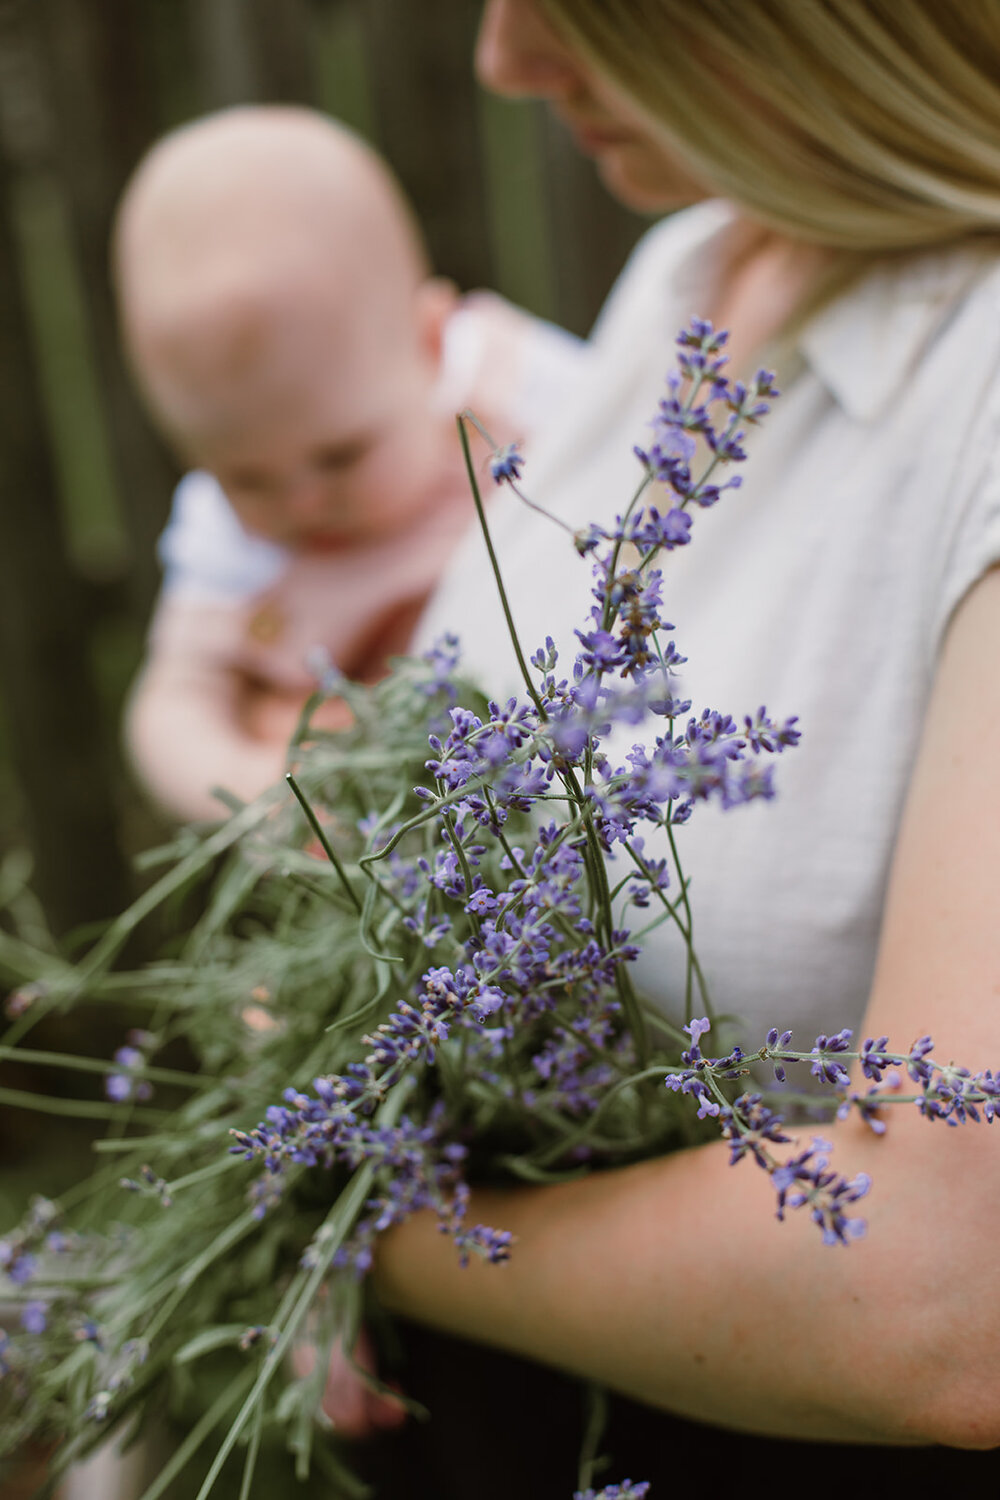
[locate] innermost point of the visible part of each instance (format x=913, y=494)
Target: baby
x=278, y=312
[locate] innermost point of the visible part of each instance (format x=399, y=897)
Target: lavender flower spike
x=627, y=1490
x=506, y=464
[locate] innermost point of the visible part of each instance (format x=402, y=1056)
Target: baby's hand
x=273, y=717
x=355, y=1409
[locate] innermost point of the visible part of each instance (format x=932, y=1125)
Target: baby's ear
x=437, y=299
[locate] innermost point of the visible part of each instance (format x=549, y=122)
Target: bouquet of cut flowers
x=413, y=974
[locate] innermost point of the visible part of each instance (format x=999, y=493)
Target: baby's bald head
x=242, y=240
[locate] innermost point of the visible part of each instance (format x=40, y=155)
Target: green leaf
x=212, y=1338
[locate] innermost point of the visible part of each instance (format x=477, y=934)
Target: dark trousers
x=501, y=1428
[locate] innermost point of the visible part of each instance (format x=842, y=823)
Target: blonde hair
x=867, y=126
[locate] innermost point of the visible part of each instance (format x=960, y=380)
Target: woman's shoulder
x=662, y=258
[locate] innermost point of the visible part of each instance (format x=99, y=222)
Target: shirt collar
x=865, y=344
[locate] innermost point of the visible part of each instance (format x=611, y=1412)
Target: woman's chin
x=646, y=186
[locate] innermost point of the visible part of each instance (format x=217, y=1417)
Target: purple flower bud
x=34, y=1317
x=506, y=464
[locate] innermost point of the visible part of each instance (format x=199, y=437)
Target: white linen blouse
x=823, y=588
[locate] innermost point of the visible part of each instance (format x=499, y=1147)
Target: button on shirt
x=823, y=587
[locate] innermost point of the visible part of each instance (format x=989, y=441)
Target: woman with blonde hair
x=849, y=155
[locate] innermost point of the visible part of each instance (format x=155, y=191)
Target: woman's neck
x=763, y=280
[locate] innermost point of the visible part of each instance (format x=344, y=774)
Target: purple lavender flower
x=22, y=1268
x=825, y=1067
x=627, y=1490
x=601, y=650
x=481, y=902
x=696, y=1029
x=763, y=734
x=122, y=1084
x=805, y=1181
x=749, y=1125
x=776, y=1044
x=442, y=658
x=874, y=1060
x=690, y=1082
x=955, y=1095
x=148, y=1185
x=653, y=530
x=506, y=464
x=34, y=1316
x=917, y=1066
x=867, y=1106
x=685, y=415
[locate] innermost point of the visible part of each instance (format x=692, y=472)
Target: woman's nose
x=518, y=53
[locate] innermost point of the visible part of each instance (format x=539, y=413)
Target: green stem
x=647, y=480
x=693, y=965
x=197, y=1436
x=100, y=1065
x=494, y=564
x=203, y=1174
x=253, y=1449
x=634, y=1017
x=345, y=1209
x=79, y=1109
x=596, y=1424
x=328, y=849
x=179, y=1284
x=584, y=1131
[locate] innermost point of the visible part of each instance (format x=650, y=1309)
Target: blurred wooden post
x=420, y=58
x=285, y=50
x=253, y=51
x=591, y=234
x=226, y=61
x=51, y=703
x=101, y=91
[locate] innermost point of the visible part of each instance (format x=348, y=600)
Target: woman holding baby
x=843, y=157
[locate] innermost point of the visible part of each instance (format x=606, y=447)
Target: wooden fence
x=84, y=482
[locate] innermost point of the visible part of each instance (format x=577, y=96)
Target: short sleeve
x=205, y=552
x=976, y=543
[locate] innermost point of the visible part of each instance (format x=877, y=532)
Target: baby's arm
x=189, y=719
x=195, y=720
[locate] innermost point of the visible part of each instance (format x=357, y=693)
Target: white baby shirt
x=823, y=587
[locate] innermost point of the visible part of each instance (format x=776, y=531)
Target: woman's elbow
x=963, y=1408
x=944, y=1379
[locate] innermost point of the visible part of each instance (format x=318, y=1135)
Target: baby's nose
x=307, y=499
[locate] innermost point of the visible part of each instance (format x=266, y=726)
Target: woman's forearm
x=671, y=1282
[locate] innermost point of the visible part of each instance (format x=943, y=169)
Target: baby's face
x=332, y=442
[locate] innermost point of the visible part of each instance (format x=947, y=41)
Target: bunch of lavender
x=414, y=974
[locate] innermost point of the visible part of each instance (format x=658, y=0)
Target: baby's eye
x=340, y=455
x=247, y=482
